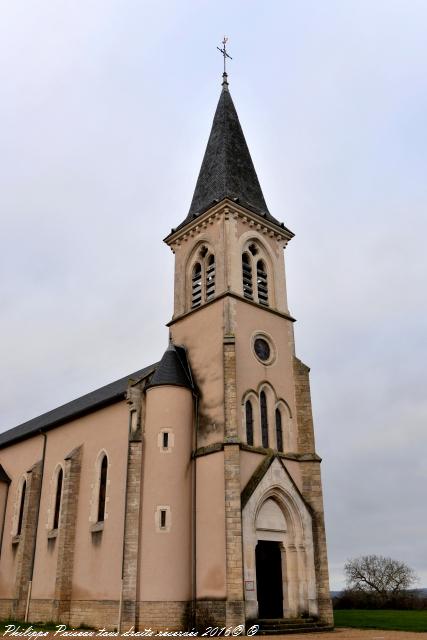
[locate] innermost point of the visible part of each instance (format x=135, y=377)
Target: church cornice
x=236, y=296
x=226, y=209
x=269, y=453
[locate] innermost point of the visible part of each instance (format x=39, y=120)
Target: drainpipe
x=30, y=582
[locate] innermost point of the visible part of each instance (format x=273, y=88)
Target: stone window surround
x=51, y=532
x=263, y=255
x=273, y=359
x=17, y=507
x=171, y=440
x=96, y=526
x=194, y=258
x=157, y=519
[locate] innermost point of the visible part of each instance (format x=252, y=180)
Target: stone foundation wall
x=94, y=613
x=160, y=616
x=41, y=610
x=104, y=613
x=6, y=609
x=210, y=613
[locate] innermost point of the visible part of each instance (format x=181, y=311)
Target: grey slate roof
x=227, y=169
x=102, y=397
x=173, y=369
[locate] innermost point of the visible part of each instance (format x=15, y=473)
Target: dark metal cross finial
x=224, y=51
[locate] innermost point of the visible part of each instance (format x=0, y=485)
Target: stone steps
x=276, y=627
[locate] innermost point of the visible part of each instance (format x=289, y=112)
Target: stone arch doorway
x=278, y=541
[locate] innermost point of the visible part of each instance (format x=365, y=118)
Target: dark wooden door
x=269, y=579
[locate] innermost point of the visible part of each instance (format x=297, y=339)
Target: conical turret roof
x=227, y=169
x=173, y=369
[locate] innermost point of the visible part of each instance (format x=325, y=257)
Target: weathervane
x=224, y=51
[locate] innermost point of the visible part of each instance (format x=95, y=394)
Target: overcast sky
x=105, y=111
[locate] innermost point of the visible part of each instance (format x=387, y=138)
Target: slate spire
x=227, y=169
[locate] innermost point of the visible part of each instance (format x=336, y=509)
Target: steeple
x=227, y=169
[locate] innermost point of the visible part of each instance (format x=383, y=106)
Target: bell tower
x=257, y=489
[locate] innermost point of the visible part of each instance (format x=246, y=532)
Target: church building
x=188, y=492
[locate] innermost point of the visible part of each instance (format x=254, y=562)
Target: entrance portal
x=269, y=579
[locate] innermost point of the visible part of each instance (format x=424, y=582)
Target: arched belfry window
x=247, y=276
x=262, y=283
x=210, y=277
x=279, y=432
x=196, y=285
x=58, y=496
x=264, y=419
x=21, y=508
x=249, y=422
x=102, y=488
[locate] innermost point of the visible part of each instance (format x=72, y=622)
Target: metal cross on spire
x=224, y=51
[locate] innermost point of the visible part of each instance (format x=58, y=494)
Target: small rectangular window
x=165, y=440
x=162, y=518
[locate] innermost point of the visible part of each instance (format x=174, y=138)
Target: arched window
x=262, y=284
x=279, y=432
x=264, y=419
x=249, y=423
x=58, y=496
x=21, y=508
x=247, y=276
x=196, y=285
x=210, y=277
x=102, y=488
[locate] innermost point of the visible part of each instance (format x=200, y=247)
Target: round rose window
x=262, y=349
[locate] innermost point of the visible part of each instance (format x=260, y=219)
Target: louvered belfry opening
x=196, y=286
x=210, y=277
x=262, y=283
x=247, y=277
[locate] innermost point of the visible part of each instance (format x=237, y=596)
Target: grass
x=390, y=619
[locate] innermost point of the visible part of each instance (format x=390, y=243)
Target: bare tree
x=384, y=577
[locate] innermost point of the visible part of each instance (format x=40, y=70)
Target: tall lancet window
x=21, y=508
x=249, y=423
x=264, y=419
x=58, y=496
x=196, y=285
x=210, y=277
x=262, y=283
x=102, y=489
x=247, y=276
x=279, y=432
